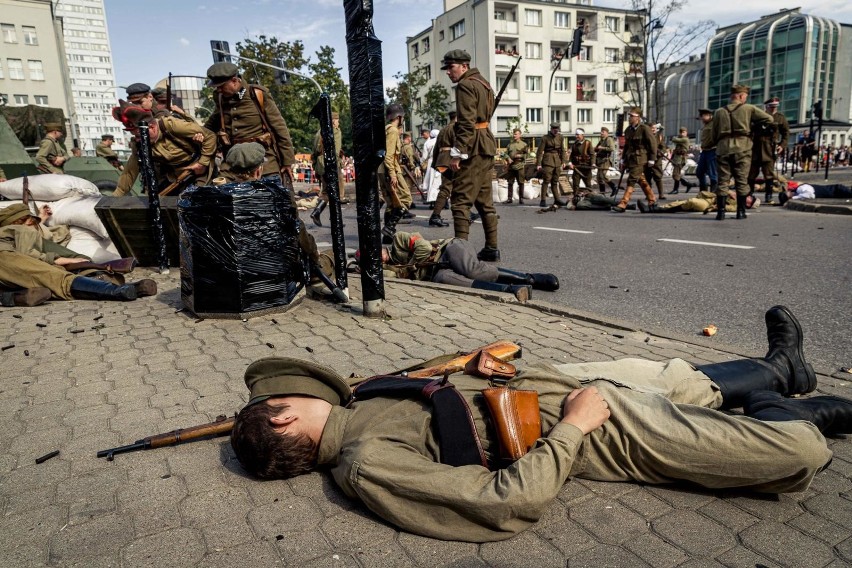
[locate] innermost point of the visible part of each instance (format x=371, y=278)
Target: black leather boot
x=688, y=185
x=84, y=288
x=831, y=414
x=389, y=230
x=721, y=201
x=783, y=369
x=741, y=207
x=317, y=212
x=676, y=189
x=437, y=221
x=145, y=287
x=522, y=292
x=614, y=189
x=489, y=254
x=538, y=280
x=767, y=195
x=25, y=298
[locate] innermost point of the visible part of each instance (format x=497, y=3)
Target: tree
x=433, y=111
x=407, y=89
x=207, y=106
x=328, y=76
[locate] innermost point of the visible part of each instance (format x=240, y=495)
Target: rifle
x=408, y=173
x=505, y=84
x=120, y=266
x=503, y=350
x=169, y=93
x=182, y=180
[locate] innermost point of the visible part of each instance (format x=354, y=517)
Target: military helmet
x=393, y=111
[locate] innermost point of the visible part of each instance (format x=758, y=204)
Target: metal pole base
x=374, y=308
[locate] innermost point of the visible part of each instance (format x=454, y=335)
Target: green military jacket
x=240, y=118
x=29, y=241
x=551, y=151
x=48, y=150
x=707, y=142
x=173, y=151
x=516, y=153
x=393, y=149
x=640, y=145
x=407, y=157
x=732, y=127
x=474, y=107
x=383, y=452
x=782, y=127
x=581, y=154
x=410, y=250
x=317, y=155
x=604, y=151
x=681, y=149
x=443, y=144
x=767, y=139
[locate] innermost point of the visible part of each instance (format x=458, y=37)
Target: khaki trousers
x=550, y=179
x=472, y=188
x=734, y=166
x=21, y=271
x=664, y=428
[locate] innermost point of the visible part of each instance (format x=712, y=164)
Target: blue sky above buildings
x=155, y=37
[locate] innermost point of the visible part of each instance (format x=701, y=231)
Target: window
x=556, y=116
x=29, y=33
x=611, y=86
x=427, y=71
x=457, y=30
x=532, y=17
x=9, y=35
x=415, y=51
x=611, y=55
x=4, y=99
x=561, y=20
x=533, y=84
x=426, y=45
x=441, y=35
x=612, y=24
x=16, y=69
x=534, y=115
x=585, y=53
x=609, y=115
x=41, y=100
x=533, y=50
x=22, y=100
x=36, y=70
x=584, y=115
x=500, y=15
x=561, y=84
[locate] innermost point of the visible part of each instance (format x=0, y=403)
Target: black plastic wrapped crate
x=239, y=249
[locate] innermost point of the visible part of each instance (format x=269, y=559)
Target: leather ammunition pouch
x=516, y=418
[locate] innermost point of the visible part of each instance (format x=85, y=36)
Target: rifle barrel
x=108, y=454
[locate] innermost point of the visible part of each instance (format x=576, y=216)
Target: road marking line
x=565, y=230
x=703, y=243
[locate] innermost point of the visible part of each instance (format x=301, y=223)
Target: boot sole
x=800, y=352
x=523, y=295
x=145, y=288
x=31, y=297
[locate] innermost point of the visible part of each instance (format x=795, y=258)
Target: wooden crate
x=127, y=220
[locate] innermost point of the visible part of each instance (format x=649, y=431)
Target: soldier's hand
x=288, y=170
x=586, y=409
x=393, y=182
x=650, y=162
x=197, y=169
x=538, y=168
x=455, y=164
x=199, y=137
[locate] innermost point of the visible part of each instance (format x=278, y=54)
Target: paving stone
x=102, y=536
x=645, y=503
x=785, y=545
x=742, y=557
x=297, y=548
x=536, y=552
x=819, y=528
x=153, y=504
x=609, y=521
x=258, y=553
x=655, y=551
x=90, y=495
x=175, y=547
x=845, y=549
x=352, y=530
x=832, y=507
x=432, y=552
x=727, y=514
x=778, y=508
x=324, y=493
x=290, y=514
x=694, y=533
x=206, y=511
x=606, y=556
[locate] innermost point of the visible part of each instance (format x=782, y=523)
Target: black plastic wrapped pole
x=322, y=112
x=368, y=134
x=149, y=184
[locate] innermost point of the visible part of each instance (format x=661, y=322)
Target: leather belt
x=481, y=125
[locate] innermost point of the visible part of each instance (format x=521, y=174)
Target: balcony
x=511, y=95
x=505, y=27
x=504, y=60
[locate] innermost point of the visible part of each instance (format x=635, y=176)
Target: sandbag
x=80, y=212
x=532, y=190
x=499, y=191
x=86, y=242
x=49, y=187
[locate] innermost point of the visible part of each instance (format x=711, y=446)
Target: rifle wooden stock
x=503, y=350
x=181, y=179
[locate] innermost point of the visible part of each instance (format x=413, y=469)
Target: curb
x=801, y=205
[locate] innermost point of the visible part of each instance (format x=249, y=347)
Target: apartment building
x=31, y=55
x=581, y=92
x=90, y=71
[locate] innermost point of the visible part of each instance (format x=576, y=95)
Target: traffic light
x=818, y=109
x=577, y=43
x=218, y=47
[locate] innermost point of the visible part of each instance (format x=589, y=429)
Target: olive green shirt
x=640, y=145
x=393, y=149
x=681, y=148
x=104, y=151
x=49, y=150
x=30, y=242
x=604, y=151
x=474, y=106
x=581, y=154
x=732, y=126
x=317, y=154
x=707, y=142
x=551, y=151
x=441, y=151
x=413, y=249
x=516, y=152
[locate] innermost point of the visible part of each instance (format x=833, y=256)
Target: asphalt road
x=621, y=266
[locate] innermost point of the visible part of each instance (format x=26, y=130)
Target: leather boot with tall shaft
x=538, y=280
x=741, y=207
x=721, y=202
x=783, y=369
x=84, y=288
x=25, y=298
x=831, y=414
x=316, y=214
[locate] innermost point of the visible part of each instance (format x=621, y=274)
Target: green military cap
x=555, y=124
x=220, y=72
x=246, y=157
x=704, y=111
x=51, y=126
x=737, y=89
x=455, y=56
x=137, y=89
x=285, y=376
x=159, y=93
x=107, y=137
x=14, y=213
x=773, y=101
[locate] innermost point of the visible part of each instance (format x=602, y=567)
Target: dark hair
x=264, y=452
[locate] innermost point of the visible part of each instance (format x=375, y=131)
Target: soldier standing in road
x=319, y=168
x=516, y=156
x=247, y=113
x=766, y=141
x=707, y=158
x=640, y=150
x=441, y=162
x=581, y=158
x=105, y=151
x=52, y=155
x=391, y=179
x=410, y=167
x=604, y=151
x=549, y=159
x=681, y=149
x=732, y=128
x=654, y=170
x=472, y=155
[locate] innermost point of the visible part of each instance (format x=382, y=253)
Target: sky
x=155, y=37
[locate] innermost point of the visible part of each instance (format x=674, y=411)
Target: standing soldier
x=732, y=128
x=640, y=150
x=105, y=151
x=391, y=179
x=441, y=162
x=654, y=170
x=549, y=159
x=409, y=161
x=707, y=158
x=581, y=158
x=516, y=157
x=681, y=149
x=247, y=113
x=319, y=168
x=604, y=151
x=51, y=154
x=472, y=155
x=766, y=142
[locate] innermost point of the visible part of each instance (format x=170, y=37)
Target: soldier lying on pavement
x=627, y=420
x=30, y=262
x=454, y=262
x=704, y=201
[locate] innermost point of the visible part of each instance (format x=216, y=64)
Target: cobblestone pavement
x=84, y=376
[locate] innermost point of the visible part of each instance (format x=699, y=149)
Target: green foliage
x=329, y=78
x=407, y=89
x=434, y=108
x=207, y=106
